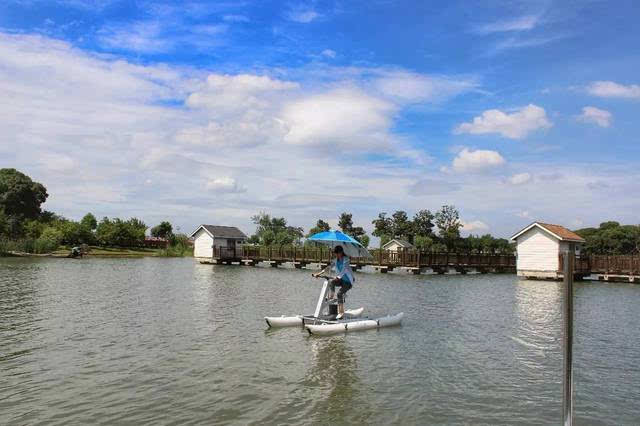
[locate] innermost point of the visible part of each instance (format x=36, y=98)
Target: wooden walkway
x=607, y=267
x=383, y=260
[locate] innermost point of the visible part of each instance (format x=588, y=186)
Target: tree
x=321, y=226
x=4, y=224
x=423, y=242
x=163, y=230
x=448, y=223
x=402, y=227
x=274, y=230
x=20, y=197
x=611, y=238
x=345, y=222
x=423, y=223
x=383, y=228
x=89, y=221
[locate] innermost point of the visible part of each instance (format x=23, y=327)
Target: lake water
x=170, y=341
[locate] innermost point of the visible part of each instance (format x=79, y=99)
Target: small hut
x=539, y=246
x=397, y=244
x=206, y=237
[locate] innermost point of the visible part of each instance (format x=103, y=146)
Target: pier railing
x=619, y=264
x=389, y=258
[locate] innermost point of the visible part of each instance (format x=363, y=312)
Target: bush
x=28, y=245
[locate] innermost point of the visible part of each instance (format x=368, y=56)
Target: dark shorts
x=345, y=286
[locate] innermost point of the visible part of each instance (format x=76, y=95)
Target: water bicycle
x=325, y=319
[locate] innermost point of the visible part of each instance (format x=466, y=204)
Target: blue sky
x=208, y=112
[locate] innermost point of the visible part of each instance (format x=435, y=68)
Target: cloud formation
x=225, y=185
x=474, y=226
x=521, y=23
x=520, y=178
x=474, y=161
x=611, y=89
x=596, y=116
x=516, y=125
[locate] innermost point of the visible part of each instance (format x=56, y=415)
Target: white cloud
x=111, y=129
x=474, y=226
x=341, y=119
x=595, y=115
x=610, y=89
x=142, y=37
x=329, y=53
x=237, y=93
x=524, y=214
x=302, y=15
x=522, y=23
x=516, y=125
x=520, y=178
x=225, y=185
x=250, y=129
x=473, y=161
x=413, y=87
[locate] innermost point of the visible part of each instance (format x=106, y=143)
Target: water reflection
x=334, y=374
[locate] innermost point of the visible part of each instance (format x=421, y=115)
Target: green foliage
x=163, y=230
x=20, y=197
x=32, y=228
x=178, y=247
x=4, y=224
x=345, y=222
x=611, y=238
x=383, y=227
x=274, y=231
x=448, y=223
x=423, y=242
x=89, y=221
x=117, y=232
x=423, y=223
x=321, y=226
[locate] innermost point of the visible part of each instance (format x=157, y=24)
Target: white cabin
x=206, y=237
x=539, y=246
x=397, y=244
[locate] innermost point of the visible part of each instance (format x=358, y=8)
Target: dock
x=383, y=261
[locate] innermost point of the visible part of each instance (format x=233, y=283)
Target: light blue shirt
x=343, y=270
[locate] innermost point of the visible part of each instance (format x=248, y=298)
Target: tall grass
x=28, y=245
x=177, y=250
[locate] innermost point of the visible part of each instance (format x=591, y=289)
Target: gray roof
x=400, y=242
x=222, y=231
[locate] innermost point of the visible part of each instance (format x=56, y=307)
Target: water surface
x=170, y=341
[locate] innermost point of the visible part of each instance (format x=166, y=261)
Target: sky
x=210, y=112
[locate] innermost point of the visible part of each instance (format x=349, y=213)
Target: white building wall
x=203, y=244
x=393, y=246
x=537, y=251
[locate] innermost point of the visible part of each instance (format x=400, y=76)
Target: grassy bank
x=11, y=248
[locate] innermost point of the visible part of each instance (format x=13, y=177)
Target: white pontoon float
x=324, y=321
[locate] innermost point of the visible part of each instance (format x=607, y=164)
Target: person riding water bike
x=343, y=277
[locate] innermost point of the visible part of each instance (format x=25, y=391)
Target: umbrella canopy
x=351, y=246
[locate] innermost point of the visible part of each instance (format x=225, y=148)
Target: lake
x=170, y=341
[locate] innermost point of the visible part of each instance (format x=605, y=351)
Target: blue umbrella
x=351, y=246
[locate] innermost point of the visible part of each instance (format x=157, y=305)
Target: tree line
x=611, y=238
x=438, y=231
x=31, y=229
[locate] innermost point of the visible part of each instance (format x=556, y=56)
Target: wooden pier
x=383, y=261
x=622, y=268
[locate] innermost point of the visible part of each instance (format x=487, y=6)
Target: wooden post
x=569, y=258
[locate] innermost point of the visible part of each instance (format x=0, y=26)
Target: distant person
x=343, y=277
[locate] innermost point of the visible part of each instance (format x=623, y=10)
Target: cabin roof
x=557, y=231
x=402, y=243
x=218, y=231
